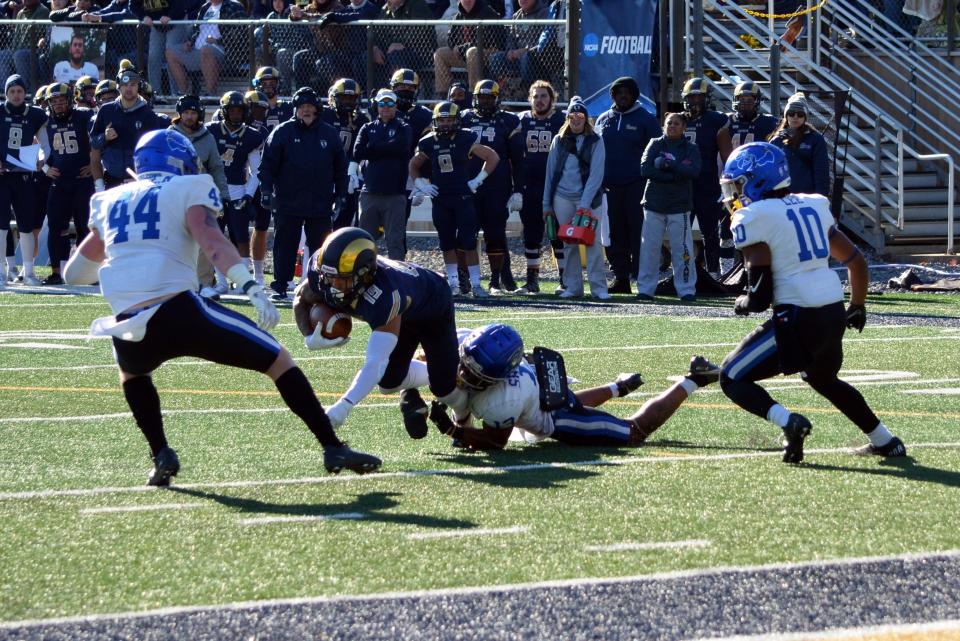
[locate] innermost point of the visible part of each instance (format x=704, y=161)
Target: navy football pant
x=18, y=190
x=492, y=214
x=455, y=219
x=67, y=200
x=707, y=211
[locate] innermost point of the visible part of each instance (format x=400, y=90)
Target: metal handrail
x=901, y=222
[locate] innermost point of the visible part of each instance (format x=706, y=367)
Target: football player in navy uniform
x=448, y=151
x=533, y=135
x=143, y=245
x=787, y=242
x=494, y=127
x=20, y=125
x=343, y=113
x=67, y=165
x=106, y=91
x=267, y=80
x=406, y=84
x=85, y=92
x=405, y=305
x=704, y=126
x=257, y=105
x=240, y=147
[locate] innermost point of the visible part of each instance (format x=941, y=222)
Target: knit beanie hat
x=797, y=102
x=577, y=107
x=627, y=82
x=14, y=80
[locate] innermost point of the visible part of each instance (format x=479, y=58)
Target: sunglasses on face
x=386, y=103
x=796, y=114
x=577, y=116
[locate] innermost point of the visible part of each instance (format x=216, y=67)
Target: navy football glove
x=856, y=317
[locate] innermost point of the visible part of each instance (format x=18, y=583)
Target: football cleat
x=479, y=292
x=703, y=372
x=797, y=429
x=894, y=448
x=627, y=383
x=619, y=286
x=165, y=466
x=509, y=285
x=464, y=277
x=414, y=411
x=336, y=459
x=53, y=279
x=30, y=281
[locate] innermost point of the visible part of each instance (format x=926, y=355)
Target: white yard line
x=31, y=345
x=940, y=391
x=659, y=545
x=679, y=575
x=451, y=534
x=267, y=520
x=867, y=632
x=505, y=469
x=140, y=508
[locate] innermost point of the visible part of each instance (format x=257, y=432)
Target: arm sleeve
x=253, y=179
x=595, y=178
x=379, y=347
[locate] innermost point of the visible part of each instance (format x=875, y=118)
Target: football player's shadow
x=540, y=466
x=371, y=505
x=900, y=467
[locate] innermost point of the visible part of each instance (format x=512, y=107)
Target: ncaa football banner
x=617, y=41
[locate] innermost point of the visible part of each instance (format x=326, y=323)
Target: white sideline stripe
x=678, y=575
x=420, y=536
x=942, y=391
x=140, y=508
x=946, y=625
x=42, y=346
x=660, y=545
x=102, y=303
x=266, y=520
x=377, y=476
x=119, y=415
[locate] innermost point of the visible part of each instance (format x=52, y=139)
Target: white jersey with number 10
x=797, y=230
x=149, y=249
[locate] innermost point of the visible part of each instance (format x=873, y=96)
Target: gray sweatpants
x=676, y=227
x=572, y=272
x=390, y=213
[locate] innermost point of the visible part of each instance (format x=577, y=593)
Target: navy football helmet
x=487, y=355
x=165, y=150
x=349, y=253
x=751, y=172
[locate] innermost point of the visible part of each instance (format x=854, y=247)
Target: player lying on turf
x=142, y=247
x=787, y=241
x=507, y=390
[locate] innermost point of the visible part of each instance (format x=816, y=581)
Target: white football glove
x=316, y=340
x=516, y=202
x=424, y=186
x=474, y=184
x=338, y=412
x=267, y=314
x=99, y=185
x=417, y=197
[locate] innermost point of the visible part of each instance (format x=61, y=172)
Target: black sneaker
x=892, y=449
x=414, y=412
x=465, y=286
x=509, y=284
x=619, y=286
x=165, y=466
x=53, y=279
x=338, y=458
x=627, y=383
x=703, y=372
x=797, y=429
x=532, y=286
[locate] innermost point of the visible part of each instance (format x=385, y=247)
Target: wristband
x=240, y=274
x=99, y=185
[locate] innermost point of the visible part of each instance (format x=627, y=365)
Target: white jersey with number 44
x=797, y=230
x=149, y=249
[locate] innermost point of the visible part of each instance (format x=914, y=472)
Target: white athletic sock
x=248, y=262
x=614, y=390
x=258, y=269
x=533, y=262
x=416, y=376
x=452, y=276
x=221, y=277
x=778, y=415
x=27, y=245
x=474, y=271
x=880, y=435
x=688, y=386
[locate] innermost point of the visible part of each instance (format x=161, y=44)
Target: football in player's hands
x=333, y=324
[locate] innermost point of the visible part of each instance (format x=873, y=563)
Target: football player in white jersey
x=144, y=240
x=787, y=241
x=504, y=393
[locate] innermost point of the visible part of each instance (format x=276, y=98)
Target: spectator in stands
x=574, y=183
x=383, y=149
x=356, y=37
x=467, y=46
x=460, y=95
x=550, y=47
x=70, y=71
x=72, y=13
x=805, y=147
x=116, y=129
x=303, y=169
x=323, y=60
x=405, y=46
x=285, y=40
x=670, y=164
x=520, y=57
x=19, y=50
x=626, y=129
x=121, y=39
x=207, y=46
x=163, y=34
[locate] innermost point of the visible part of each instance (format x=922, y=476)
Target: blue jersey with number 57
x=149, y=249
x=797, y=229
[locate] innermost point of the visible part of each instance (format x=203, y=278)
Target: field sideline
x=702, y=533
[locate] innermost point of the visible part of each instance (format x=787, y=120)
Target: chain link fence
x=209, y=58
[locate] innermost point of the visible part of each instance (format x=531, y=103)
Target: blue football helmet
x=487, y=355
x=751, y=172
x=165, y=150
